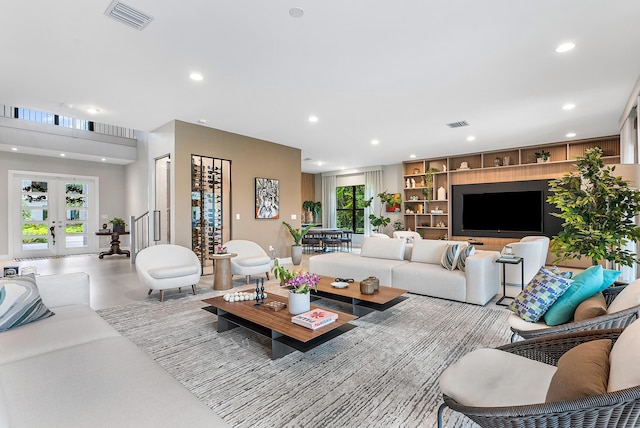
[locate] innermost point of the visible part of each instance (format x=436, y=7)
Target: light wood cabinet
x=514, y=164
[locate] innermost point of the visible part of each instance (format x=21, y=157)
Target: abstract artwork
x=267, y=198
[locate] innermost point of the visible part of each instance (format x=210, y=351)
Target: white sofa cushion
x=349, y=265
x=628, y=298
x=518, y=323
x=71, y=326
x=494, y=378
x=431, y=280
x=173, y=271
x=20, y=302
x=391, y=249
x=430, y=250
x=98, y=384
x=624, y=358
x=253, y=261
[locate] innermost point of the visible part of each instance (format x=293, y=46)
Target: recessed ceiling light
x=103, y=159
x=565, y=47
x=203, y=121
x=375, y=142
x=471, y=138
x=62, y=155
x=412, y=156
x=313, y=119
x=319, y=163
x=196, y=76
x=92, y=110
x=15, y=149
x=296, y=12
x=571, y=134
x=568, y=106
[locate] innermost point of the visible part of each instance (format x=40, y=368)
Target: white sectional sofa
x=418, y=271
x=74, y=370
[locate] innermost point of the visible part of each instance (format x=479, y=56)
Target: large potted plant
x=598, y=211
x=297, y=235
x=380, y=222
x=300, y=285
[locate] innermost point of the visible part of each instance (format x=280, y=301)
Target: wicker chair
x=612, y=409
x=619, y=319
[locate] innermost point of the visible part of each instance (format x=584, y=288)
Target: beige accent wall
x=250, y=158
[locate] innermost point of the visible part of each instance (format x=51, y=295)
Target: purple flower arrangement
x=221, y=249
x=303, y=283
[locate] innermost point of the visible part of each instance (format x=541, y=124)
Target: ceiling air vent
x=128, y=15
x=458, y=124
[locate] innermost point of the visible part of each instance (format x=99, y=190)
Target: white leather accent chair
x=251, y=259
x=404, y=234
x=165, y=266
x=534, y=251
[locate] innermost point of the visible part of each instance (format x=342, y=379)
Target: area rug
x=384, y=373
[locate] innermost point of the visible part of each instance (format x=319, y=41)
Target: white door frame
x=13, y=198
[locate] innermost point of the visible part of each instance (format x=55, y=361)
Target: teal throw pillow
x=20, y=302
x=543, y=290
x=609, y=277
x=467, y=251
x=584, y=285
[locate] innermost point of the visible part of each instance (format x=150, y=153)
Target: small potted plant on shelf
x=543, y=156
x=118, y=224
x=427, y=190
x=308, y=207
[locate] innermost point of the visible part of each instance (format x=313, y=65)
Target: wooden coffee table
x=361, y=304
x=285, y=336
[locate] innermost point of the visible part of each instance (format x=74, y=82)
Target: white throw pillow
x=449, y=258
x=628, y=298
x=392, y=249
x=623, y=359
x=465, y=252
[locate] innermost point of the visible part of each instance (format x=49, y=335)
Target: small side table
x=222, y=265
x=115, y=244
x=504, y=261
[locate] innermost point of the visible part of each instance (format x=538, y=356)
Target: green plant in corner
x=386, y=199
x=297, y=234
x=598, y=211
x=117, y=221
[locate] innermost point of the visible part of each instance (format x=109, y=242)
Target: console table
x=115, y=244
x=504, y=261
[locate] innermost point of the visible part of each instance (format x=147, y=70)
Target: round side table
x=222, y=265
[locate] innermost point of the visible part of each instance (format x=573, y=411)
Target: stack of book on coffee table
x=314, y=318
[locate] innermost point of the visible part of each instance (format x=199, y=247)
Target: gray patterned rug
x=384, y=373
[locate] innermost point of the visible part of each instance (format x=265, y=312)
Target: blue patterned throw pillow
x=449, y=258
x=20, y=302
x=467, y=251
x=543, y=290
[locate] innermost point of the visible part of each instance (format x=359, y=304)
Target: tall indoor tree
x=598, y=210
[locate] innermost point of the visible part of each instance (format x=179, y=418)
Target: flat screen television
x=508, y=210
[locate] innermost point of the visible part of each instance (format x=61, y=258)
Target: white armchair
x=165, y=266
x=251, y=259
x=533, y=249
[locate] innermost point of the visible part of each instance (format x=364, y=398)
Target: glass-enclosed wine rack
x=210, y=207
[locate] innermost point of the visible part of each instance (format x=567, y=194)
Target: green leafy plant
x=308, y=205
x=386, y=199
x=281, y=272
x=297, y=234
x=397, y=225
x=597, y=209
x=317, y=208
x=117, y=221
x=427, y=191
x=543, y=154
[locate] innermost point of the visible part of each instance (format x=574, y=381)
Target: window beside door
x=350, y=208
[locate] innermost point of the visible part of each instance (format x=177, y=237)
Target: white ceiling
x=396, y=71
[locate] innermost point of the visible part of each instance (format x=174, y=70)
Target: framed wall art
x=267, y=198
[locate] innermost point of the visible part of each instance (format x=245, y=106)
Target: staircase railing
x=139, y=233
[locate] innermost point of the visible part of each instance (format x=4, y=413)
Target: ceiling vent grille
x=459, y=124
x=128, y=15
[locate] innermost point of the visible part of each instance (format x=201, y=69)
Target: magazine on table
x=314, y=318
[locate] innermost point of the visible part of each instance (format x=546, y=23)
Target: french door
x=53, y=215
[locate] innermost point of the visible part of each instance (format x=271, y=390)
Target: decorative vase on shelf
x=442, y=194
x=299, y=303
